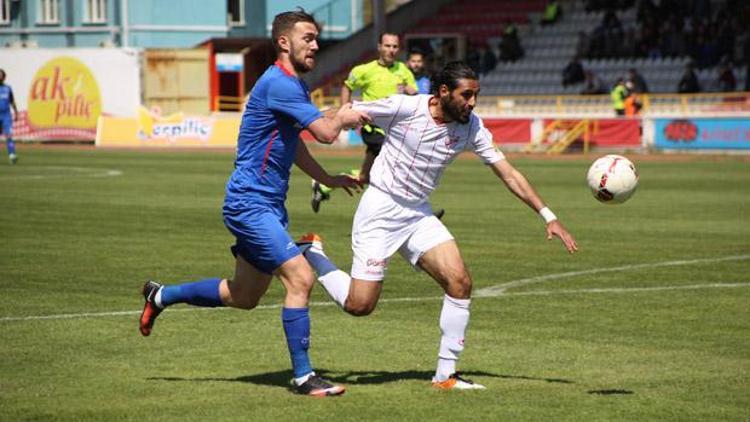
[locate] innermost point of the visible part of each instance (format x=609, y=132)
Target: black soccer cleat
x=318, y=196
x=150, y=310
x=318, y=387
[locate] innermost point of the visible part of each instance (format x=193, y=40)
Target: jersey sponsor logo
x=371, y=262
x=64, y=93
x=451, y=141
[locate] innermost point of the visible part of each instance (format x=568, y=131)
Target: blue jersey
x=6, y=98
x=423, y=84
x=278, y=109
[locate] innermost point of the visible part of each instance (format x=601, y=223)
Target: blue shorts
x=260, y=230
x=7, y=123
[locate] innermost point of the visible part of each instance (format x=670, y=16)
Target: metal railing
x=227, y=103
x=726, y=103
x=715, y=104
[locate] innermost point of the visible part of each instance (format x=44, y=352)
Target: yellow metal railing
x=573, y=105
x=707, y=103
x=595, y=105
x=579, y=131
x=563, y=133
x=227, y=103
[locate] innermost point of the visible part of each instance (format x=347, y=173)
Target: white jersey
x=417, y=149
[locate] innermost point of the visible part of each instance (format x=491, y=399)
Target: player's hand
x=348, y=183
x=351, y=118
x=409, y=90
x=555, y=228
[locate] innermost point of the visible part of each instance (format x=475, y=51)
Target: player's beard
x=453, y=110
x=302, y=64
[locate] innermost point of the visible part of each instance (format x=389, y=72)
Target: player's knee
x=246, y=303
x=300, y=281
x=359, y=309
x=460, y=286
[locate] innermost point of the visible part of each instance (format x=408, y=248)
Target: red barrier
x=604, y=132
x=509, y=131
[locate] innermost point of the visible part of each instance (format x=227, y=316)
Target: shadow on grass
x=282, y=378
x=611, y=392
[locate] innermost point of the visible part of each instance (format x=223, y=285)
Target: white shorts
x=383, y=226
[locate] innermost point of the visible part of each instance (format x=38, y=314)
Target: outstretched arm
x=327, y=128
x=312, y=168
x=521, y=188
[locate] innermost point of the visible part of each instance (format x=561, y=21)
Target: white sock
x=157, y=298
x=337, y=285
x=454, y=318
x=303, y=379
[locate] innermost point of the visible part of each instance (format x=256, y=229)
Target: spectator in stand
x=592, y=85
x=415, y=63
x=619, y=94
x=689, y=82
x=552, y=13
x=632, y=104
x=583, y=46
x=510, y=45
x=573, y=72
x=639, y=83
x=726, y=81
x=613, y=33
x=474, y=59
x=487, y=60
x=629, y=41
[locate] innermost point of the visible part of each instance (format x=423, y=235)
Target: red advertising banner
x=509, y=131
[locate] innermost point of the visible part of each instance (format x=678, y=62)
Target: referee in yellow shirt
x=377, y=79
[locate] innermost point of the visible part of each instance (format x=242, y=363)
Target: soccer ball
x=612, y=179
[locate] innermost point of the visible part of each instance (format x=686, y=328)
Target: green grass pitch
x=649, y=321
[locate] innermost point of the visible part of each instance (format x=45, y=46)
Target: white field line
x=68, y=171
x=501, y=288
x=402, y=299
x=493, y=291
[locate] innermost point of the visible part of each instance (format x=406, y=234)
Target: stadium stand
x=549, y=48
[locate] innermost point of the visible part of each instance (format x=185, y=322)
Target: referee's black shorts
x=373, y=138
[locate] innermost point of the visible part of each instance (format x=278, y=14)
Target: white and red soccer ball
x=612, y=179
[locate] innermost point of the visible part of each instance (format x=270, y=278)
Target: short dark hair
x=415, y=52
x=450, y=74
x=383, y=34
x=284, y=22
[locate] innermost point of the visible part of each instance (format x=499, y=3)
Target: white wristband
x=547, y=215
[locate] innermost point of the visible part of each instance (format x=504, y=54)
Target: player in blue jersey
x=278, y=109
x=7, y=102
x=415, y=62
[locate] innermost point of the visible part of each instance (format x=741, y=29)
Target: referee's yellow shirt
x=376, y=81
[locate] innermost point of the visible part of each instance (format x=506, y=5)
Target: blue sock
x=199, y=293
x=297, y=329
x=320, y=263
x=11, y=146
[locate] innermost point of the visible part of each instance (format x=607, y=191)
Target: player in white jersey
x=424, y=134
